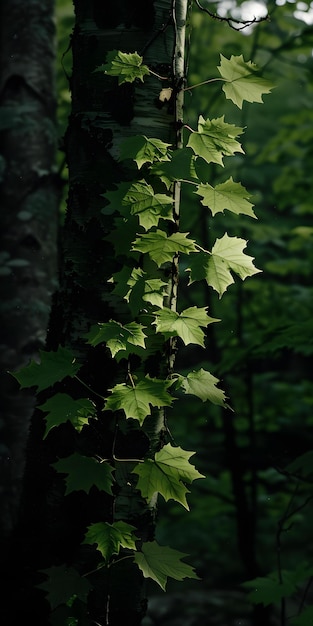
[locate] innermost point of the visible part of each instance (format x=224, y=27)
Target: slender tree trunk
x=102, y=115
x=28, y=222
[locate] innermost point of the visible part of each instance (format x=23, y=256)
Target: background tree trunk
x=28, y=222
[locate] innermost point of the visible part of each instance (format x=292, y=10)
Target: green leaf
x=161, y=247
x=62, y=408
x=243, y=83
x=179, y=167
x=269, y=590
x=115, y=197
x=302, y=465
x=203, y=385
x=109, y=538
x=185, y=325
x=228, y=195
x=136, y=400
x=85, y=472
x=149, y=206
x=227, y=256
x=53, y=367
x=62, y=584
x=142, y=149
x=166, y=473
x=143, y=289
x=304, y=619
x=116, y=336
x=127, y=66
x=160, y=562
x=137, y=289
x=123, y=235
x=215, y=139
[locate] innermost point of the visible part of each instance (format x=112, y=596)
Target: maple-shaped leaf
x=149, y=206
x=215, y=139
x=142, y=149
x=227, y=256
x=161, y=247
x=270, y=589
x=109, y=538
x=84, y=472
x=136, y=401
x=62, y=408
x=215, y=267
x=53, y=367
x=116, y=336
x=115, y=197
x=160, y=562
x=203, y=385
x=62, y=584
x=185, y=325
x=144, y=289
x=242, y=80
x=126, y=65
x=180, y=166
x=228, y=195
x=166, y=474
x=134, y=285
x=123, y=234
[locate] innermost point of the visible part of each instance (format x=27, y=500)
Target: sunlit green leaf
x=136, y=401
x=185, y=325
x=203, y=385
x=215, y=139
x=166, y=474
x=144, y=149
x=228, y=195
x=116, y=336
x=160, y=562
x=127, y=66
x=109, y=538
x=149, y=206
x=243, y=82
x=216, y=267
x=161, y=247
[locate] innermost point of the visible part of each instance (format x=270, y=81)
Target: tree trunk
x=28, y=222
x=102, y=115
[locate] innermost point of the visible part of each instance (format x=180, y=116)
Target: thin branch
x=231, y=20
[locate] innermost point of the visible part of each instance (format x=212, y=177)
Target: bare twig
x=231, y=21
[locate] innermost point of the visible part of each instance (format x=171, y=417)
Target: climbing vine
x=149, y=243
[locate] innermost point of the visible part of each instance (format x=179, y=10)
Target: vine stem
x=89, y=388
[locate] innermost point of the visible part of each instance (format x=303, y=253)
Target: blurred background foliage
x=252, y=514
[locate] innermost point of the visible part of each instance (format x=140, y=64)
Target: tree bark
x=102, y=115
x=28, y=222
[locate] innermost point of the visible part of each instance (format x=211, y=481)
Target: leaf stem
x=204, y=82
x=157, y=75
